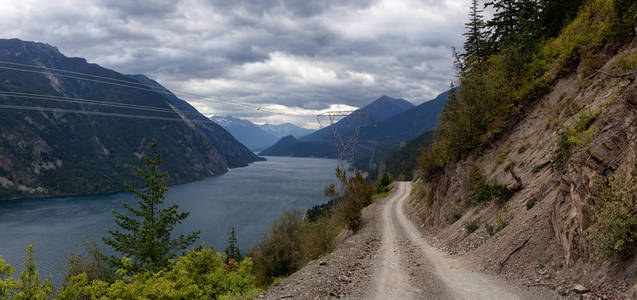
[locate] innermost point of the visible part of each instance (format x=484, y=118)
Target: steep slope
x=285, y=129
x=546, y=200
x=246, y=132
x=46, y=149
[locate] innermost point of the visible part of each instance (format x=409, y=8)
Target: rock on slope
x=547, y=216
x=47, y=153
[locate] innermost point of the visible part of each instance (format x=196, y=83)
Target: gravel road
x=390, y=259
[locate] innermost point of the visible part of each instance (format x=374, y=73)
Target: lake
x=248, y=198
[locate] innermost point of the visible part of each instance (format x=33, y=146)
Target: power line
x=150, y=88
x=74, y=72
x=86, y=112
x=88, y=101
x=87, y=79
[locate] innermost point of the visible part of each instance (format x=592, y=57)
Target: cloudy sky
x=274, y=60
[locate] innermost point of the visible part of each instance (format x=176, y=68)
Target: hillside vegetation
x=533, y=172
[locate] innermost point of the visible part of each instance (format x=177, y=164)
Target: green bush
x=613, y=230
x=486, y=192
x=455, y=216
x=499, y=225
x=471, y=226
x=28, y=286
x=530, y=203
x=201, y=274
x=573, y=137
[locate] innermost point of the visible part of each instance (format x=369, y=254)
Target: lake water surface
x=248, y=198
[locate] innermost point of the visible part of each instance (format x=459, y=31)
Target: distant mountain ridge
x=258, y=137
x=392, y=122
x=49, y=153
x=285, y=129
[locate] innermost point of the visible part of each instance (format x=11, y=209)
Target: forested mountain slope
x=532, y=175
x=49, y=149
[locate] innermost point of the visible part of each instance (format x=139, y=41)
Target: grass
x=380, y=195
x=501, y=156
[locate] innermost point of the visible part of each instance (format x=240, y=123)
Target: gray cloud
x=303, y=54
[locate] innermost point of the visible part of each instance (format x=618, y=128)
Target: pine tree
x=504, y=21
x=475, y=51
x=147, y=237
x=233, y=252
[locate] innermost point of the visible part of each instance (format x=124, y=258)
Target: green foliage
x=614, y=221
x=501, y=156
x=471, y=226
x=455, y=216
x=384, y=184
x=499, y=225
x=486, y=192
x=90, y=263
x=201, y=274
x=233, y=252
x=380, y=195
x=523, y=63
x=356, y=195
x=291, y=242
x=570, y=138
x=28, y=286
x=536, y=169
x=147, y=233
x=530, y=203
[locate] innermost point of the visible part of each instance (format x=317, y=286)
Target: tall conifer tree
x=147, y=230
x=475, y=45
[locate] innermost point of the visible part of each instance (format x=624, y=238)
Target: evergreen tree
x=503, y=23
x=233, y=252
x=146, y=239
x=475, y=51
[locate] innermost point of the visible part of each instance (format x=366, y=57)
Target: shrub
x=200, y=274
x=89, y=262
x=571, y=138
x=500, y=224
x=471, y=226
x=614, y=221
x=530, y=203
x=501, y=156
x=455, y=216
x=536, y=169
x=486, y=192
x=279, y=252
x=29, y=284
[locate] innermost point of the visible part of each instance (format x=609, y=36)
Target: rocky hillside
x=547, y=194
x=47, y=148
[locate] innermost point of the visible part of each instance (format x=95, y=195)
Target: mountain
x=379, y=110
x=53, y=140
x=285, y=129
x=290, y=146
x=246, y=132
x=392, y=123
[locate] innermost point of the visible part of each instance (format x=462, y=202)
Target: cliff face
x=549, y=212
x=45, y=150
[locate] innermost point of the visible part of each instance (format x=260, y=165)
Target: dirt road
x=439, y=276
x=390, y=259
